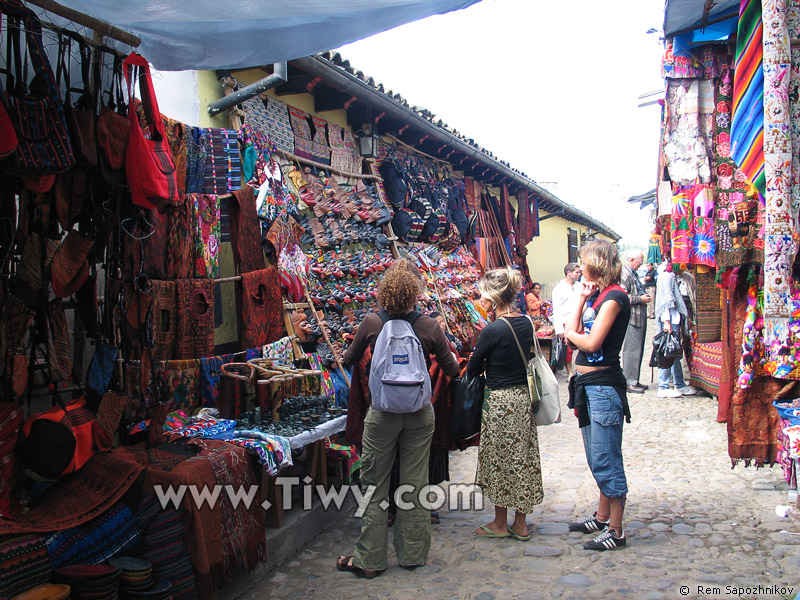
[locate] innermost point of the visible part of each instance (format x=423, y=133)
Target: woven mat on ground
x=706, y=366
x=79, y=497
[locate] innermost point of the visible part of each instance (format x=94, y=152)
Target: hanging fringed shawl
x=195, y=318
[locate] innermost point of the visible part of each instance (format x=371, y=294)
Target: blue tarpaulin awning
x=683, y=15
x=227, y=34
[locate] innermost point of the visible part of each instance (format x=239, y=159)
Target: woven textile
x=179, y=382
x=206, y=220
x=747, y=125
x=59, y=352
x=79, y=497
x=302, y=132
x=280, y=130
x=320, y=150
x=114, y=532
x=687, y=143
x=707, y=294
x=709, y=325
x=176, y=138
x=223, y=165
x=779, y=248
x=164, y=310
x=261, y=308
x=344, y=156
x=17, y=319
x=196, y=152
x=706, y=366
x=195, y=318
x=783, y=454
x=210, y=371
x=11, y=418
x=179, y=260
x=24, y=564
x=245, y=231
x=164, y=546
x=109, y=415
x=154, y=247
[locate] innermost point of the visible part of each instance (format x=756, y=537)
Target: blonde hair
x=601, y=262
x=501, y=285
x=400, y=286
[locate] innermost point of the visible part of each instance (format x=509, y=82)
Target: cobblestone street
x=691, y=521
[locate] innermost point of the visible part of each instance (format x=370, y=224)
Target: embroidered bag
x=113, y=128
x=148, y=161
x=35, y=110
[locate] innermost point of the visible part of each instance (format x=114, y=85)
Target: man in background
x=649, y=281
x=633, y=347
x=565, y=297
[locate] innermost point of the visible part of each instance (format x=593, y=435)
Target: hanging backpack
x=399, y=381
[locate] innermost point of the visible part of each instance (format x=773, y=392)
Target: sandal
x=516, y=536
x=345, y=563
x=491, y=534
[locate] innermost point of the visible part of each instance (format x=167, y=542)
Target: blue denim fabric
x=602, y=440
x=676, y=371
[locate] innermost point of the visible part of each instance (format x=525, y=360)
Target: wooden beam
x=101, y=27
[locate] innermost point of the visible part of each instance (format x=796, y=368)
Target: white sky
x=550, y=87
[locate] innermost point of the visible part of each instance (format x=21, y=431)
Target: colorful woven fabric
x=223, y=166
x=344, y=155
x=195, y=318
x=202, y=427
x=779, y=247
x=114, y=532
x=706, y=366
x=196, y=152
x=280, y=351
x=176, y=137
x=205, y=215
x=165, y=548
x=681, y=225
x=179, y=381
x=320, y=149
x=280, y=130
x=747, y=126
x=783, y=455
x=210, y=370
x=177, y=419
x=702, y=240
x=688, y=131
x=179, y=260
x=164, y=310
x=24, y=564
x=302, y=132
x=348, y=454
x=261, y=308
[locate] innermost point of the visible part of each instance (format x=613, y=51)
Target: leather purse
x=148, y=161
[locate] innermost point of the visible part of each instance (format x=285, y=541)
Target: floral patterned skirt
x=509, y=467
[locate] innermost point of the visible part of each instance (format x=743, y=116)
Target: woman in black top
x=597, y=391
x=509, y=469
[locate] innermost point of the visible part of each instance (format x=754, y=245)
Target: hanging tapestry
x=280, y=129
x=261, y=308
x=702, y=241
x=196, y=152
x=179, y=260
x=738, y=235
x=302, y=133
x=154, y=247
x=205, y=216
x=164, y=320
x=223, y=167
x=680, y=66
x=179, y=382
x=24, y=564
x=257, y=151
x=245, y=231
x=654, y=249
x=681, y=224
x=794, y=111
x=687, y=143
x=255, y=113
x=210, y=371
x=779, y=248
x=320, y=150
x=176, y=138
x=344, y=156
x=747, y=123
x=195, y=318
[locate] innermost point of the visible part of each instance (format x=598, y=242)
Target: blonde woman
x=387, y=434
x=597, y=392
x=509, y=468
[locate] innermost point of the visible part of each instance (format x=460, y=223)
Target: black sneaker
x=607, y=540
x=588, y=525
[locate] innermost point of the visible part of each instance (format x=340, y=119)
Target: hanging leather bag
x=148, y=161
x=34, y=108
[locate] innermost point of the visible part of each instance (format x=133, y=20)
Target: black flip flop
x=342, y=564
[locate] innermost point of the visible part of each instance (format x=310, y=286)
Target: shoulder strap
x=611, y=288
x=519, y=346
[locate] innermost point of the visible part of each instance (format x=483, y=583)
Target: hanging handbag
x=467, y=407
x=113, y=128
x=148, y=161
x=80, y=116
x=35, y=110
x=542, y=383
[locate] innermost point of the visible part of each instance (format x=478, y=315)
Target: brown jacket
x=428, y=331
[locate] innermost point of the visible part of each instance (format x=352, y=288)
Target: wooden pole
x=325, y=335
x=105, y=29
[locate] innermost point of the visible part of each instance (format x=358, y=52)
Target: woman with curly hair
x=387, y=434
x=597, y=391
x=509, y=467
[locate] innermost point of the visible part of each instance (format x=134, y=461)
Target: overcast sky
x=550, y=87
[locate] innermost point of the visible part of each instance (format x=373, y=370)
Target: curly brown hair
x=400, y=286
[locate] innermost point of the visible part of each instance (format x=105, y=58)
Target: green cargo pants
x=410, y=435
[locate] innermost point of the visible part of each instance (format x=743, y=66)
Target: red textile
x=195, y=318
x=359, y=401
x=245, y=231
x=261, y=308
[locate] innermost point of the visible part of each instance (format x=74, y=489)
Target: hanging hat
x=70, y=269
